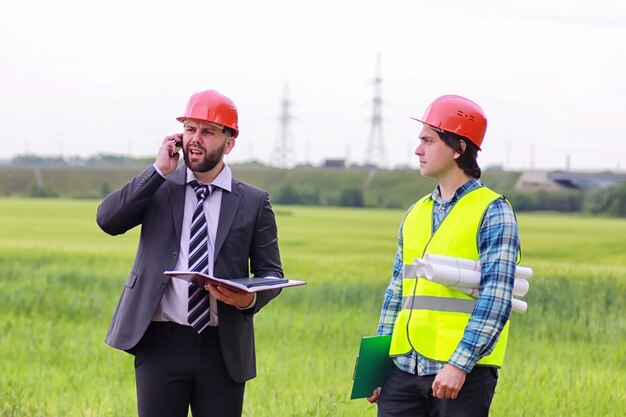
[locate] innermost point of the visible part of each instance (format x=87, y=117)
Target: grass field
x=60, y=278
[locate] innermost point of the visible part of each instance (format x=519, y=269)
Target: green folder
x=372, y=365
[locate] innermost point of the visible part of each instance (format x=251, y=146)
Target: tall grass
x=60, y=278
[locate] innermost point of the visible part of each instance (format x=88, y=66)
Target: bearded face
x=198, y=159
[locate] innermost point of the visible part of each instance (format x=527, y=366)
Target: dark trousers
x=177, y=368
x=408, y=395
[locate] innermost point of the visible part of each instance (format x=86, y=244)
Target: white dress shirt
x=174, y=303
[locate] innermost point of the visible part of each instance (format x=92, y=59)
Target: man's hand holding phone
x=168, y=156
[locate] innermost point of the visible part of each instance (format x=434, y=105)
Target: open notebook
x=237, y=284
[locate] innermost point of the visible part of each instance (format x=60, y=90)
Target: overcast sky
x=79, y=78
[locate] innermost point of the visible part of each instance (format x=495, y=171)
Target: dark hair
x=229, y=130
x=467, y=161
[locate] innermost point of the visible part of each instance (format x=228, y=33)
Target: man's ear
x=463, y=148
x=230, y=144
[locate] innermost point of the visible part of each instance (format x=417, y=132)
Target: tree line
x=96, y=176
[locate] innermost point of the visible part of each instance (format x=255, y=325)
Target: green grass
x=60, y=278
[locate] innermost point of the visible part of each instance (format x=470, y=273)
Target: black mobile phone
x=179, y=144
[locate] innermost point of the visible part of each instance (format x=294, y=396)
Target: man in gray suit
x=193, y=347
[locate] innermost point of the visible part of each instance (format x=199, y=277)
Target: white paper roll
x=520, y=287
x=518, y=306
x=464, y=275
x=470, y=264
x=461, y=263
x=450, y=276
x=523, y=272
x=472, y=292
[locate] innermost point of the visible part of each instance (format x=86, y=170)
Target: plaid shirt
x=498, y=249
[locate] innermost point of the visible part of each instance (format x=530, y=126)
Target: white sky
x=80, y=77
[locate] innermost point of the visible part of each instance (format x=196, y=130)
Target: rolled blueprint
x=518, y=306
x=452, y=277
x=460, y=263
x=520, y=287
x=469, y=264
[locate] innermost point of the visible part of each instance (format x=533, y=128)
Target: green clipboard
x=372, y=365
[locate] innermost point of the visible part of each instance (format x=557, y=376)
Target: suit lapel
x=177, y=198
x=228, y=210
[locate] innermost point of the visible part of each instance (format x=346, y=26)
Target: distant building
x=568, y=180
x=587, y=181
x=334, y=163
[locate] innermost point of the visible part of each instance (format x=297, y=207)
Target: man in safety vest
x=447, y=346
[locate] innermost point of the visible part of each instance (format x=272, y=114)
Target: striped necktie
x=198, y=308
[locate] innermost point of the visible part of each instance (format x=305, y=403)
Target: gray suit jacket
x=246, y=241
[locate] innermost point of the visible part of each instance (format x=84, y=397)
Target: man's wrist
x=252, y=303
x=463, y=361
x=157, y=169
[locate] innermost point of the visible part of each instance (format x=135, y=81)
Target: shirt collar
x=223, y=179
x=470, y=185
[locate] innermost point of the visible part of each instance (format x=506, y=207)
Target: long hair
x=467, y=161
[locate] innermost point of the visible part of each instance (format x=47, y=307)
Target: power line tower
x=376, y=154
x=283, y=150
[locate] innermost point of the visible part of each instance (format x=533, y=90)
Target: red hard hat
x=458, y=115
x=213, y=107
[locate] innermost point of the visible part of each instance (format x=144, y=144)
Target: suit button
x=164, y=285
x=174, y=255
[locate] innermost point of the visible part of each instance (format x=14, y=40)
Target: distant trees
x=610, y=201
x=29, y=159
x=45, y=191
x=96, y=160
x=105, y=189
x=348, y=197
x=290, y=196
x=351, y=197
x=568, y=201
x=97, y=176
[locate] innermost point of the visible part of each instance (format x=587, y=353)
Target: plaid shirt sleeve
x=498, y=249
x=393, y=295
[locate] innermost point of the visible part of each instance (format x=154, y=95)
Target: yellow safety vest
x=433, y=317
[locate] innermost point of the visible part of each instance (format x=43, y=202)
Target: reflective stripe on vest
x=433, y=317
x=421, y=302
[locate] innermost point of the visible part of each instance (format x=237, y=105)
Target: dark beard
x=209, y=162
